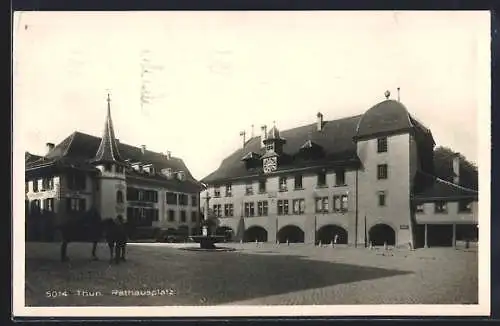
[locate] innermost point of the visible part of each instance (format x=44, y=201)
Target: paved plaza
x=263, y=274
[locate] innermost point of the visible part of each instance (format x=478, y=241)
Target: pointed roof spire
x=108, y=149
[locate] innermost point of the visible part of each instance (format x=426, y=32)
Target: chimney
x=263, y=135
x=242, y=134
x=169, y=155
x=50, y=146
x=319, y=121
x=456, y=169
x=143, y=149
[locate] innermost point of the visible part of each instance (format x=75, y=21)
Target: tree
x=443, y=167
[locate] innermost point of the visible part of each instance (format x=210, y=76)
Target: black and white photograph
x=251, y=163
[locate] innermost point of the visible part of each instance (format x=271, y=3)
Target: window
x=283, y=186
x=171, y=198
x=194, y=217
x=141, y=194
x=299, y=206
x=26, y=187
x=107, y=167
x=217, y=210
x=35, y=206
x=194, y=201
x=47, y=184
x=48, y=204
x=382, y=171
x=322, y=205
x=35, y=185
x=119, y=169
x=441, y=207
x=216, y=192
x=321, y=179
x=119, y=197
x=249, y=209
x=151, y=196
x=249, y=188
x=171, y=215
x=298, y=182
x=381, y=198
x=340, y=203
x=183, y=199
x=229, y=191
x=340, y=178
x=283, y=207
x=262, y=186
x=262, y=208
x=228, y=210
x=78, y=181
x=419, y=208
x=75, y=204
x=183, y=216
x=465, y=206
x=382, y=145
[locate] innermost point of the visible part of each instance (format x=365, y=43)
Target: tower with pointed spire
x=111, y=184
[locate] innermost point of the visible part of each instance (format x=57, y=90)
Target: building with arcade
x=359, y=180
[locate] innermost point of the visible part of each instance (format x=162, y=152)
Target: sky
x=190, y=82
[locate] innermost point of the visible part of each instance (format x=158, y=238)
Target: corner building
x=152, y=191
x=361, y=179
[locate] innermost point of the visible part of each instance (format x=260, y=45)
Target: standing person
x=121, y=239
x=335, y=239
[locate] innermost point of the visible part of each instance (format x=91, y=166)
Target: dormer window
x=181, y=175
x=167, y=172
x=107, y=167
x=149, y=169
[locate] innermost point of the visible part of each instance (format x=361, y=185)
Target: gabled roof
x=309, y=144
x=80, y=148
x=250, y=156
x=439, y=189
x=336, y=139
x=29, y=158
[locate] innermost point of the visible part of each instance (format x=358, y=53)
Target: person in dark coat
x=121, y=239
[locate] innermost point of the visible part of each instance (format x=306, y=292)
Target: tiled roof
x=439, y=189
x=386, y=116
x=80, y=148
x=29, y=158
x=336, y=139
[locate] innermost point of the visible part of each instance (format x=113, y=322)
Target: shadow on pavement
x=199, y=278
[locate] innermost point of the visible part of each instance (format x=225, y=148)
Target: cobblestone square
x=264, y=274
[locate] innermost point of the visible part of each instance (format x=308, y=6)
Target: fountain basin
x=207, y=241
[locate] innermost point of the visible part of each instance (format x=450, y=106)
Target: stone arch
x=255, y=233
x=225, y=231
x=291, y=233
x=327, y=233
x=382, y=233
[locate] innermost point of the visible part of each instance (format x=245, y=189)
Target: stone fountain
x=208, y=238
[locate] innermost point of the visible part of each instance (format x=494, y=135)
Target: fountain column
x=205, y=214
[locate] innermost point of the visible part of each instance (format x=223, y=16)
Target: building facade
x=360, y=180
x=152, y=191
